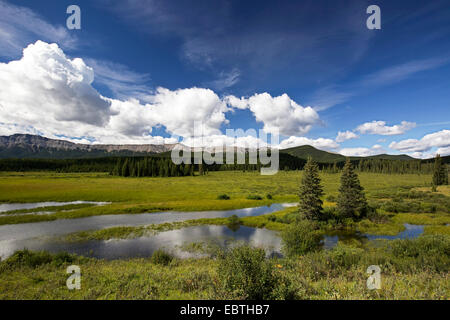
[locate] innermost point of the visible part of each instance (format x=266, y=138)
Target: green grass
x=437, y=230
x=139, y=195
x=419, y=271
x=410, y=270
x=50, y=208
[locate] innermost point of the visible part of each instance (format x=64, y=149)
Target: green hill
x=391, y=157
x=303, y=152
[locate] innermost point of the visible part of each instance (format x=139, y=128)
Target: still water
x=18, y=236
x=172, y=241
x=43, y=235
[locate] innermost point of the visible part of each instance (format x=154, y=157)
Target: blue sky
x=386, y=91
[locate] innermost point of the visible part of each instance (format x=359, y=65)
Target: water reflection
x=65, y=226
x=172, y=241
x=331, y=240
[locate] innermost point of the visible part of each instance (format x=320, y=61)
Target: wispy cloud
x=330, y=96
x=215, y=35
x=123, y=82
x=400, y=72
x=20, y=26
x=225, y=80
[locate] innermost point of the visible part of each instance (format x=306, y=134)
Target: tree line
x=152, y=167
x=384, y=166
x=158, y=165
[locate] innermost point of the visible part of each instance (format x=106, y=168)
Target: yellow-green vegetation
x=411, y=269
x=389, y=229
x=437, y=230
x=199, y=193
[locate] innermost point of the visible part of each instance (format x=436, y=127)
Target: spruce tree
x=125, y=169
x=440, y=174
x=310, y=204
x=444, y=174
x=351, y=202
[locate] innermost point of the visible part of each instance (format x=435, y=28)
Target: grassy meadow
x=412, y=269
x=138, y=195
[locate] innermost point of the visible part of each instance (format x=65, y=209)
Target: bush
x=234, y=222
x=426, y=251
x=344, y=256
x=331, y=198
x=329, y=213
x=300, y=237
x=161, y=257
x=223, y=197
x=27, y=258
x=254, y=197
x=269, y=196
x=245, y=273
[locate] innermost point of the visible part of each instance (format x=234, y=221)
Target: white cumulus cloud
x=48, y=93
x=346, y=135
x=320, y=143
x=278, y=113
x=362, y=152
x=380, y=127
x=45, y=84
x=440, y=139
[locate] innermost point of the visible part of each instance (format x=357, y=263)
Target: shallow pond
x=41, y=235
x=65, y=226
x=19, y=236
x=411, y=231
x=173, y=241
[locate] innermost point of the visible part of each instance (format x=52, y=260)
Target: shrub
x=234, y=222
x=269, y=196
x=329, y=213
x=161, y=257
x=223, y=197
x=245, y=273
x=331, y=198
x=344, y=256
x=27, y=258
x=300, y=237
x=424, y=252
x=254, y=197
x=63, y=258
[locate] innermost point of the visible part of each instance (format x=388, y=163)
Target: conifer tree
x=125, y=169
x=351, y=202
x=310, y=204
x=444, y=174
x=440, y=174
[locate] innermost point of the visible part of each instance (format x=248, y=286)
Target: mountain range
x=34, y=146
